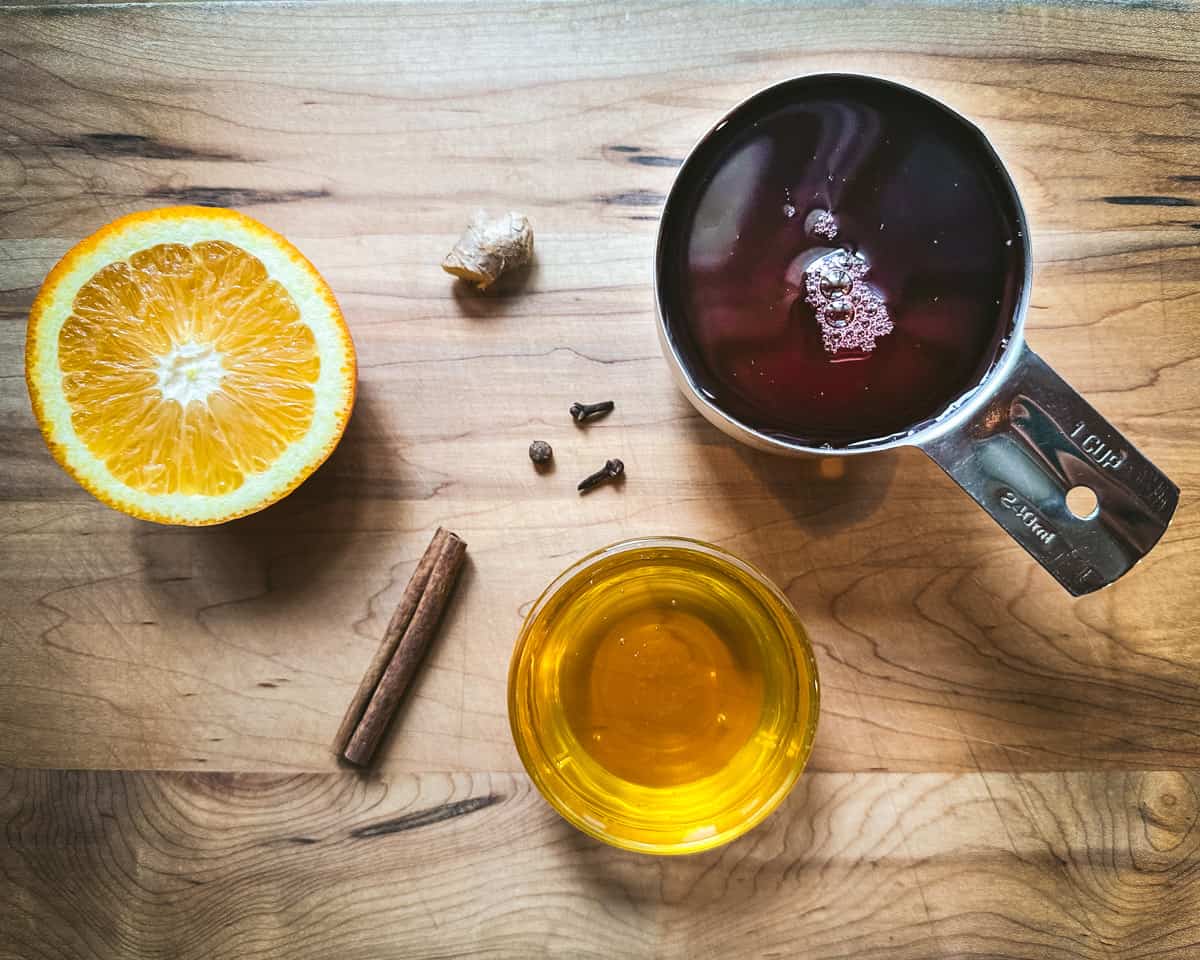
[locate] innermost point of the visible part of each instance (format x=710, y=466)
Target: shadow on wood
x=824, y=495
x=281, y=549
x=500, y=298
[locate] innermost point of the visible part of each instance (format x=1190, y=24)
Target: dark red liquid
x=913, y=188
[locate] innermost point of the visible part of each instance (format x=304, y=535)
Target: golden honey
x=663, y=695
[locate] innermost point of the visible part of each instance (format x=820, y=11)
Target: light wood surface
x=1001, y=771
x=872, y=866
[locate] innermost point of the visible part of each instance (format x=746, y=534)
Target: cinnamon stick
x=391, y=639
x=408, y=635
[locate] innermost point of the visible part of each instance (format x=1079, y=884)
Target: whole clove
x=588, y=411
x=610, y=471
x=540, y=452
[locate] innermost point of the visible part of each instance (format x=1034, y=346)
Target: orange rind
x=188, y=365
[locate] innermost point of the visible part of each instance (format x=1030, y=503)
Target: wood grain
x=1001, y=771
x=887, y=866
x=357, y=131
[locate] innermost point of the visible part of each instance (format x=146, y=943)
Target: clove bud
x=586, y=411
x=610, y=471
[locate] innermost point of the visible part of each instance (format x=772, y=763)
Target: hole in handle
x=1082, y=502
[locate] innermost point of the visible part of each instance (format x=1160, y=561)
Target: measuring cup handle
x=1033, y=441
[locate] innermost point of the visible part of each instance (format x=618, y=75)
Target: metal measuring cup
x=1017, y=442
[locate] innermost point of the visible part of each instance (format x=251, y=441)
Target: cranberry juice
x=839, y=261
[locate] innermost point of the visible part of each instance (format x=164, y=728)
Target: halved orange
x=188, y=365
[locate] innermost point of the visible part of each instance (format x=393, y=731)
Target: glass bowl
x=663, y=695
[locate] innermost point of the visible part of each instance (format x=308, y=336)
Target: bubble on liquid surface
x=821, y=223
x=839, y=312
x=835, y=282
x=789, y=211
x=851, y=312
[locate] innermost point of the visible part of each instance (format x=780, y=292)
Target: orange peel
x=188, y=365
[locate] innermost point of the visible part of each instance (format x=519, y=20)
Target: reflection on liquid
x=912, y=192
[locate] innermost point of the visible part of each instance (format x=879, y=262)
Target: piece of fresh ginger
x=490, y=247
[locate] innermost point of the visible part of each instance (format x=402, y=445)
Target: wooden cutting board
x=1001, y=771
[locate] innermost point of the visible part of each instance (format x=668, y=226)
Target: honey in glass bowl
x=663, y=695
